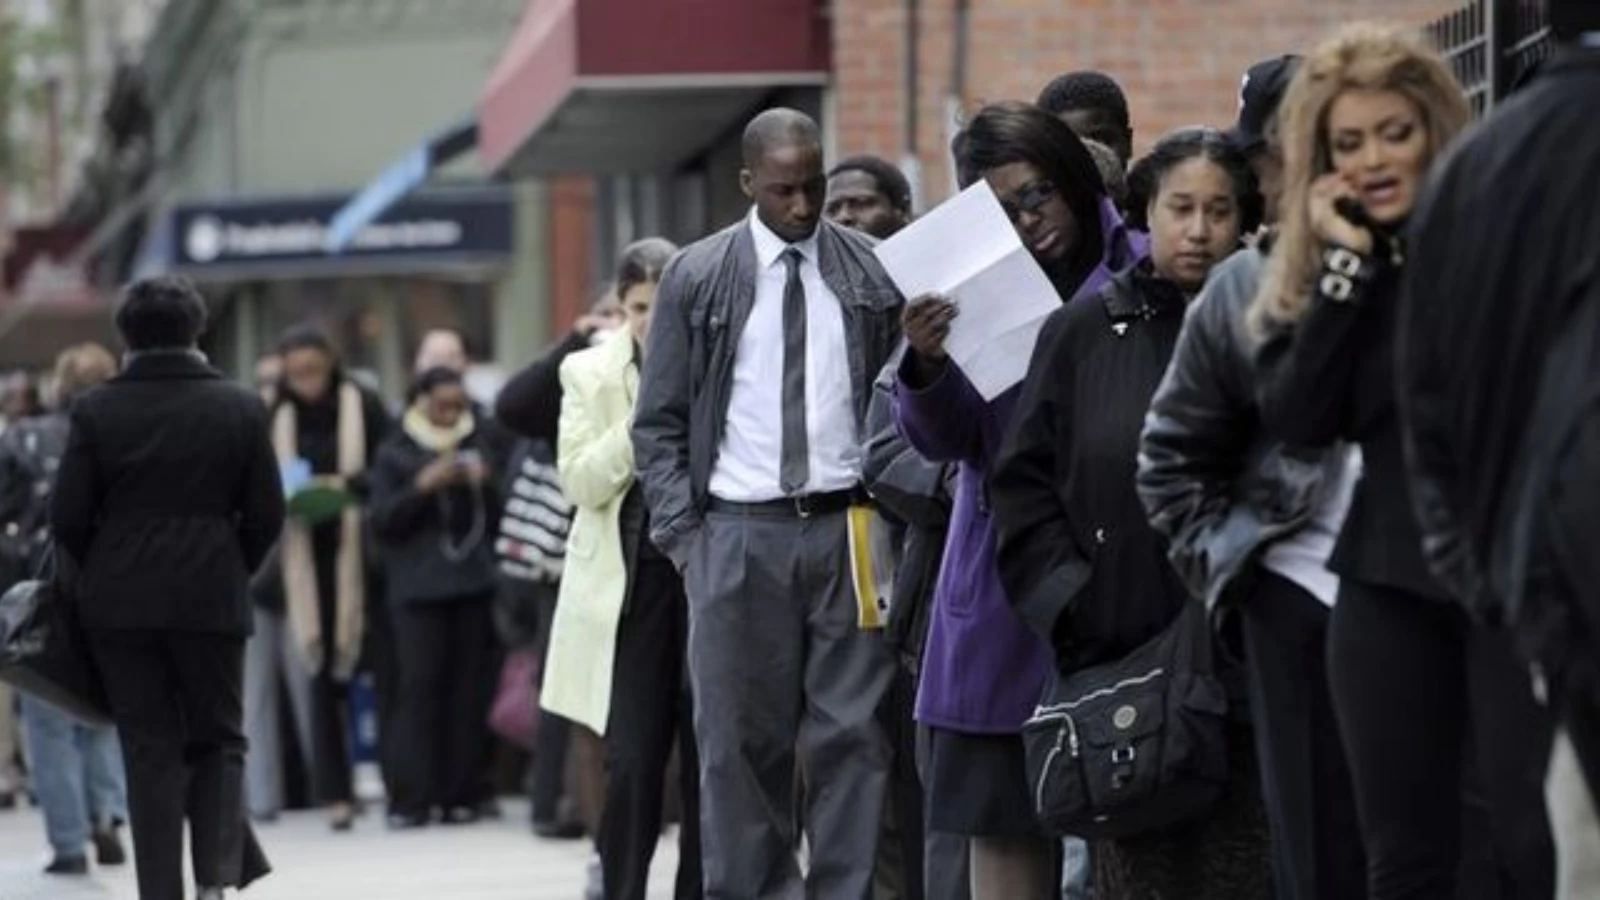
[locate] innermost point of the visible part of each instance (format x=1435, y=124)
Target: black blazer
x=168, y=498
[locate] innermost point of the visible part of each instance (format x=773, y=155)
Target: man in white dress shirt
x=749, y=439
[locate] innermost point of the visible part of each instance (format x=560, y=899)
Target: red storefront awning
x=641, y=85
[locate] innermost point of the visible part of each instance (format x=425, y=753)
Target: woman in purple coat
x=984, y=670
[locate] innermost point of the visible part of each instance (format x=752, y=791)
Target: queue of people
x=788, y=573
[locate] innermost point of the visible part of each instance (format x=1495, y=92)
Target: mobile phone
x=466, y=458
x=1351, y=210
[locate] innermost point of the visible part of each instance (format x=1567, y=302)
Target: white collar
x=769, y=247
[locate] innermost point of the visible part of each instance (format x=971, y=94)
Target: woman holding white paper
x=1076, y=554
x=983, y=670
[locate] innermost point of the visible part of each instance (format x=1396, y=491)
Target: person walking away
x=324, y=421
x=433, y=496
x=748, y=437
x=1494, y=376
x=76, y=769
x=1418, y=689
x=1250, y=523
x=621, y=629
x=163, y=532
x=1064, y=481
x=983, y=670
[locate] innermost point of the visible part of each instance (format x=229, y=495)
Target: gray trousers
x=272, y=662
x=779, y=666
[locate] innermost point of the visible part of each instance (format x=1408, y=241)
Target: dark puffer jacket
x=1213, y=482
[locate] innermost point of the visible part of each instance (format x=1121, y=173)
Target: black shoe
x=8, y=800
x=68, y=865
x=108, y=849
x=459, y=815
x=407, y=821
x=342, y=817
x=558, y=831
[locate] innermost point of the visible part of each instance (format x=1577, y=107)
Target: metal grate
x=1492, y=45
x=1463, y=38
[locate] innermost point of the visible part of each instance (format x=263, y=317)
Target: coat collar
x=167, y=365
x=1138, y=293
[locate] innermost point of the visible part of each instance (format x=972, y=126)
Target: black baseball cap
x=1264, y=86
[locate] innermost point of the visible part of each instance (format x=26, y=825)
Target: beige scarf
x=299, y=560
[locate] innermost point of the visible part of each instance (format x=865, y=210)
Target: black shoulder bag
x=1133, y=746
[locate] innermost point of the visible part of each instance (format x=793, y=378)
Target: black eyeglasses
x=1029, y=200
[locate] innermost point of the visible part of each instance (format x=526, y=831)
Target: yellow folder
x=872, y=608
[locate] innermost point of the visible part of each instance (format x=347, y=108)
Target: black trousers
x=900, y=852
x=555, y=733
x=177, y=702
x=331, y=761
x=445, y=692
x=1316, y=839
x=1445, y=741
x=651, y=712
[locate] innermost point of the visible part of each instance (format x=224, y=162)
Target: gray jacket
x=701, y=309
x=1212, y=482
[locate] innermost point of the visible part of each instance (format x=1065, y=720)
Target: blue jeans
x=77, y=775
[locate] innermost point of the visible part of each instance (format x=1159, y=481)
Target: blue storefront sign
x=288, y=237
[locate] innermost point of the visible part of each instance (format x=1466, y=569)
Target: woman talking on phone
x=1413, y=679
x=433, y=497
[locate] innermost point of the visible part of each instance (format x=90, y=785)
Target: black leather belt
x=802, y=507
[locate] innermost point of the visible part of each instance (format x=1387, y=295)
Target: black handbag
x=1133, y=746
x=43, y=650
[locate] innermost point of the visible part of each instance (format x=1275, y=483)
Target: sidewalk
x=490, y=861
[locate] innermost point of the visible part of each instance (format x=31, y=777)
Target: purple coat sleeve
x=944, y=420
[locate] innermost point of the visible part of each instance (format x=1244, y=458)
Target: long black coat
x=1063, y=487
x=1064, y=498
x=168, y=498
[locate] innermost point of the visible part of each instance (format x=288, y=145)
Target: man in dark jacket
x=1496, y=375
x=164, y=532
x=748, y=436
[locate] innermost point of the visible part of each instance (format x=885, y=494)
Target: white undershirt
x=752, y=444
x=1302, y=557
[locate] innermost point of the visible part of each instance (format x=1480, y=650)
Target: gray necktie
x=794, y=469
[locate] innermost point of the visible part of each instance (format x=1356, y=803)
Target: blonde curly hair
x=1363, y=56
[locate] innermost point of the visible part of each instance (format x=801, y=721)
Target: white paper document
x=968, y=250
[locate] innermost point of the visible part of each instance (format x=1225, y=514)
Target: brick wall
x=1179, y=60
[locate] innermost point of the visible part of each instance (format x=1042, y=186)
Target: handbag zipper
x=1066, y=738
x=1046, y=712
